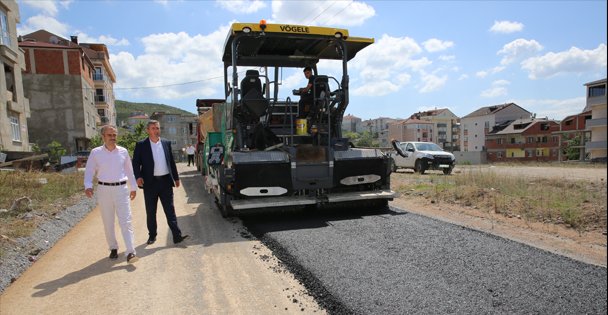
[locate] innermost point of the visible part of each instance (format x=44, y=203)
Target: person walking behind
x=190, y=150
x=112, y=167
x=155, y=171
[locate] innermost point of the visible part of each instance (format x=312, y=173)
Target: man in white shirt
x=112, y=167
x=190, y=152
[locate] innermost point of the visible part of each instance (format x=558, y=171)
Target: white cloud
x=48, y=7
x=42, y=22
x=435, y=45
x=484, y=73
x=574, y=60
x=498, y=89
x=104, y=39
x=494, y=92
x=447, y=58
x=553, y=108
x=506, y=27
x=481, y=74
x=185, y=65
x=432, y=83
x=241, y=6
x=501, y=83
x=518, y=50
x=463, y=77
x=376, y=88
x=326, y=13
x=386, y=66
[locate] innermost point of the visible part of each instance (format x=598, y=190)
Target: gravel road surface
x=390, y=261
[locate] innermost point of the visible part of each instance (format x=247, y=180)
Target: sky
x=459, y=55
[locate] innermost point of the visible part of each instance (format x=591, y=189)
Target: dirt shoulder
x=589, y=247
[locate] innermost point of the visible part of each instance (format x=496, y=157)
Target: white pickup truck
x=422, y=156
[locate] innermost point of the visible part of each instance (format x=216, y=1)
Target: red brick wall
x=49, y=61
x=74, y=62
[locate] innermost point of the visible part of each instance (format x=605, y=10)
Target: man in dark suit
x=156, y=172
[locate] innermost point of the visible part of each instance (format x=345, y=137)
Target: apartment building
x=379, y=126
x=411, y=129
x=446, y=129
x=475, y=126
x=574, y=127
x=14, y=106
x=104, y=79
x=596, y=100
x=527, y=139
x=352, y=123
x=179, y=129
x=58, y=80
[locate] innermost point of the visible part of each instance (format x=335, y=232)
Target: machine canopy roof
x=284, y=45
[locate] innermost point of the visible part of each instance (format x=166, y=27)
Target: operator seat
x=251, y=94
x=321, y=94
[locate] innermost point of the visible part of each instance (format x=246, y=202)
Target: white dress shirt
x=160, y=163
x=109, y=167
x=190, y=150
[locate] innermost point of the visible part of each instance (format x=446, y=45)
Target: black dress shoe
x=151, y=240
x=180, y=239
x=114, y=254
x=131, y=258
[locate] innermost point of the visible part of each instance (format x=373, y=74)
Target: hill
x=124, y=109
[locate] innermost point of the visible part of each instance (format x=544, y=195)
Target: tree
x=572, y=151
x=126, y=138
x=367, y=140
x=129, y=139
x=55, y=151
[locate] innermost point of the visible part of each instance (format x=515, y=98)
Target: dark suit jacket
x=143, y=161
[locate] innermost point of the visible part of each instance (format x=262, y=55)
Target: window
x=500, y=140
x=98, y=75
x=5, y=36
x=597, y=90
x=530, y=140
x=15, y=128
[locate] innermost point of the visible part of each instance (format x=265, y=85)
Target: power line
x=339, y=11
x=330, y=5
x=168, y=85
x=174, y=84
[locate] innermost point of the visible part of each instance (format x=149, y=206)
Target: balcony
x=596, y=100
x=595, y=145
x=598, y=122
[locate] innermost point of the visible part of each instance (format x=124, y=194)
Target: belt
x=162, y=176
x=113, y=184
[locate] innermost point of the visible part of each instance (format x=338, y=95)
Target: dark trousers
x=190, y=159
x=161, y=188
x=304, y=105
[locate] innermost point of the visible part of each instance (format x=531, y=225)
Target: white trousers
x=114, y=202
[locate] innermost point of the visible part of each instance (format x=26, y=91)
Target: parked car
x=422, y=156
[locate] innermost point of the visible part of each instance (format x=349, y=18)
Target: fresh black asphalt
x=390, y=261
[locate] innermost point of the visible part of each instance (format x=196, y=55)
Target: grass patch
x=578, y=204
x=46, y=193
